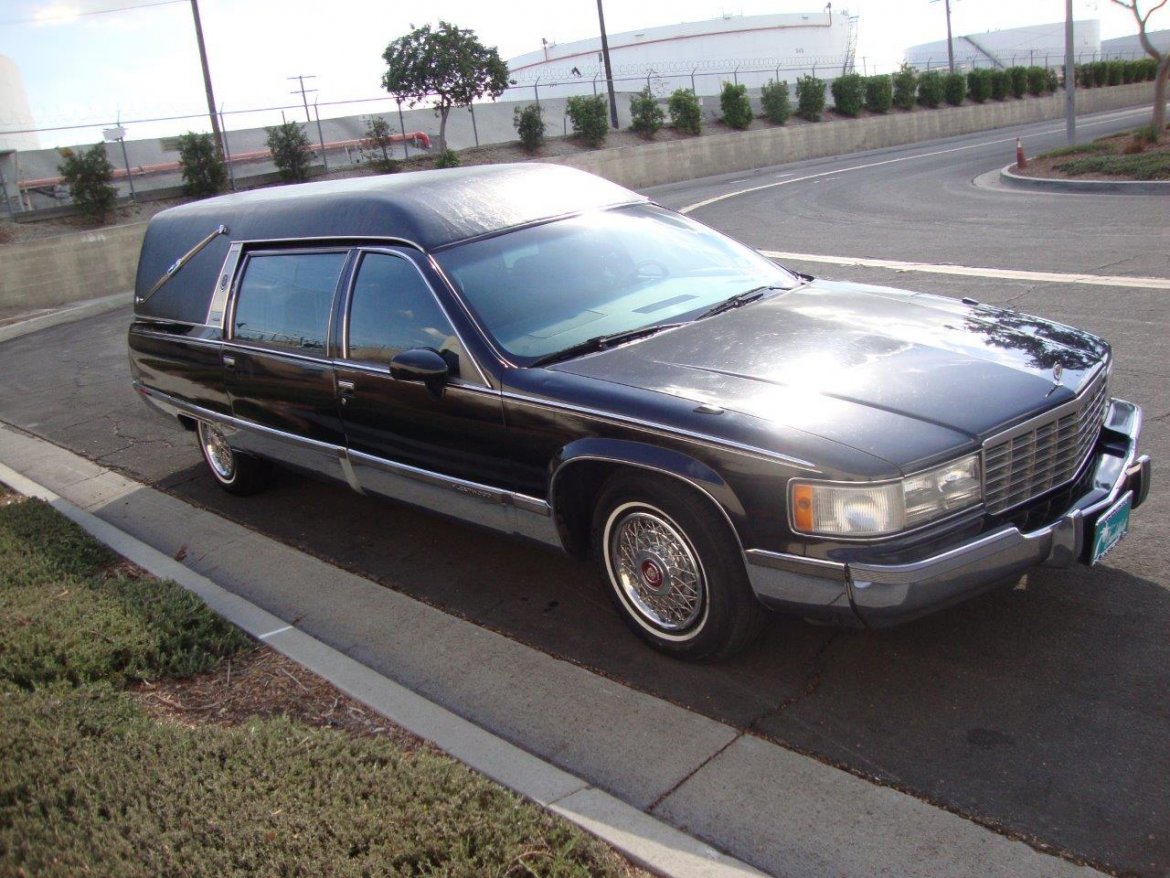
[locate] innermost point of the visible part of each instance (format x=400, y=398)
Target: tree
x=88, y=175
x=447, y=64
x=1162, y=59
x=203, y=170
x=290, y=151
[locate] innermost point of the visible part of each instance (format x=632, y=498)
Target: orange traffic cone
x=1021, y=162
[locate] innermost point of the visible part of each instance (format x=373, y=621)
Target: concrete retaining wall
x=72, y=268
x=669, y=162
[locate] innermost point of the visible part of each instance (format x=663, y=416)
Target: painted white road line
x=906, y=158
x=1099, y=280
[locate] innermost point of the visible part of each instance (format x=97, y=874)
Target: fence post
x=227, y=152
x=402, y=125
x=694, y=91
x=536, y=90
x=735, y=75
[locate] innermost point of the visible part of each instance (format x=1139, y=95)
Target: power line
x=69, y=16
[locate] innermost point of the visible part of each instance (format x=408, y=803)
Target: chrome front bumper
x=885, y=594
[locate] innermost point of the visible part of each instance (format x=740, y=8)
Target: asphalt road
x=1040, y=710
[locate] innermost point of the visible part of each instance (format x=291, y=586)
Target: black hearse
x=545, y=353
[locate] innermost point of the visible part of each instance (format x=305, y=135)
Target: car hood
x=864, y=366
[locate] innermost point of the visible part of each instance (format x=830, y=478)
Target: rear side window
x=284, y=299
x=392, y=310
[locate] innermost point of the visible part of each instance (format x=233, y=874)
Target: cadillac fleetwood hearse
x=539, y=351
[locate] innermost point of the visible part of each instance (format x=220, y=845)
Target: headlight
x=876, y=510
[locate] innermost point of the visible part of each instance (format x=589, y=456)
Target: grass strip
x=1142, y=166
x=92, y=784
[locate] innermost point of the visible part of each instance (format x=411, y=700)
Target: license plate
x=1110, y=528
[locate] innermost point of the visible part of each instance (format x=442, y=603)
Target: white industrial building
x=1131, y=47
x=1041, y=45
x=15, y=116
x=702, y=55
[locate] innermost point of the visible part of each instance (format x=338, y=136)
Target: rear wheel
x=236, y=473
x=674, y=569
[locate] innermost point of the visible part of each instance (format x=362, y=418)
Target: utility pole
x=1070, y=76
x=613, y=119
x=304, y=93
x=215, y=131
x=950, y=39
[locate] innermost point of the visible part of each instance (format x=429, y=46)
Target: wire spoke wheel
x=218, y=453
x=658, y=571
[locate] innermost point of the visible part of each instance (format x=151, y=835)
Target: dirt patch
x=264, y=683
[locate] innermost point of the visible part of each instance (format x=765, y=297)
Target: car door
x=276, y=358
x=439, y=444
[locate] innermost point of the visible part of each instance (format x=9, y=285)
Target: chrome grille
x=1043, y=453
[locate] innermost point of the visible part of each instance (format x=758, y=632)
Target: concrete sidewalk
x=664, y=785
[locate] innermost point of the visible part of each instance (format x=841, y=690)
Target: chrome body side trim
x=485, y=505
x=661, y=429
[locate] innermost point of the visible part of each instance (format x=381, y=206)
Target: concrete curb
x=616, y=761
x=34, y=322
x=647, y=841
x=1086, y=187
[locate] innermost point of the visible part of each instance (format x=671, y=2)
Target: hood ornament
x=1057, y=373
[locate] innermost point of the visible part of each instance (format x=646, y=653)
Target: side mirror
x=421, y=364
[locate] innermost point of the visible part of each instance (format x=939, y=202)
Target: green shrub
x=290, y=151
x=646, y=116
x=1019, y=81
x=979, y=85
x=88, y=175
x=380, y=139
x=879, y=94
x=529, y=124
x=735, y=106
x=1052, y=81
x=1100, y=73
x=1038, y=81
x=774, y=99
x=73, y=621
x=848, y=94
x=589, y=117
x=203, y=169
x=1115, y=72
x=954, y=88
x=905, y=87
x=810, y=98
x=930, y=89
x=448, y=158
x=685, y=112
x=1001, y=85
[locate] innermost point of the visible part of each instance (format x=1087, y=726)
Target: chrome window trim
x=347, y=300
x=663, y=430
x=467, y=312
x=241, y=270
x=254, y=348
x=225, y=281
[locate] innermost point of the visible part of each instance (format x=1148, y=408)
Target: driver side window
x=392, y=310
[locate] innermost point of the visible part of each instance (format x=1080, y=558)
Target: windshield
x=543, y=289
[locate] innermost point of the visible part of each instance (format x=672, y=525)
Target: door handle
x=229, y=361
x=344, y=386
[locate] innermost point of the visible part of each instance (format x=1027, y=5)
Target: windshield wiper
x=601, y=343
x=737, y=301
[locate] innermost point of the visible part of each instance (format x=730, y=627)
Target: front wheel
x=236, y=473
x=674, y=569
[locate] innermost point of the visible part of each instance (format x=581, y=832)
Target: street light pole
x=613, y=117
x=207, y=80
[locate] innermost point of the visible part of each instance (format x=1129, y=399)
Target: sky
x=89, y=62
